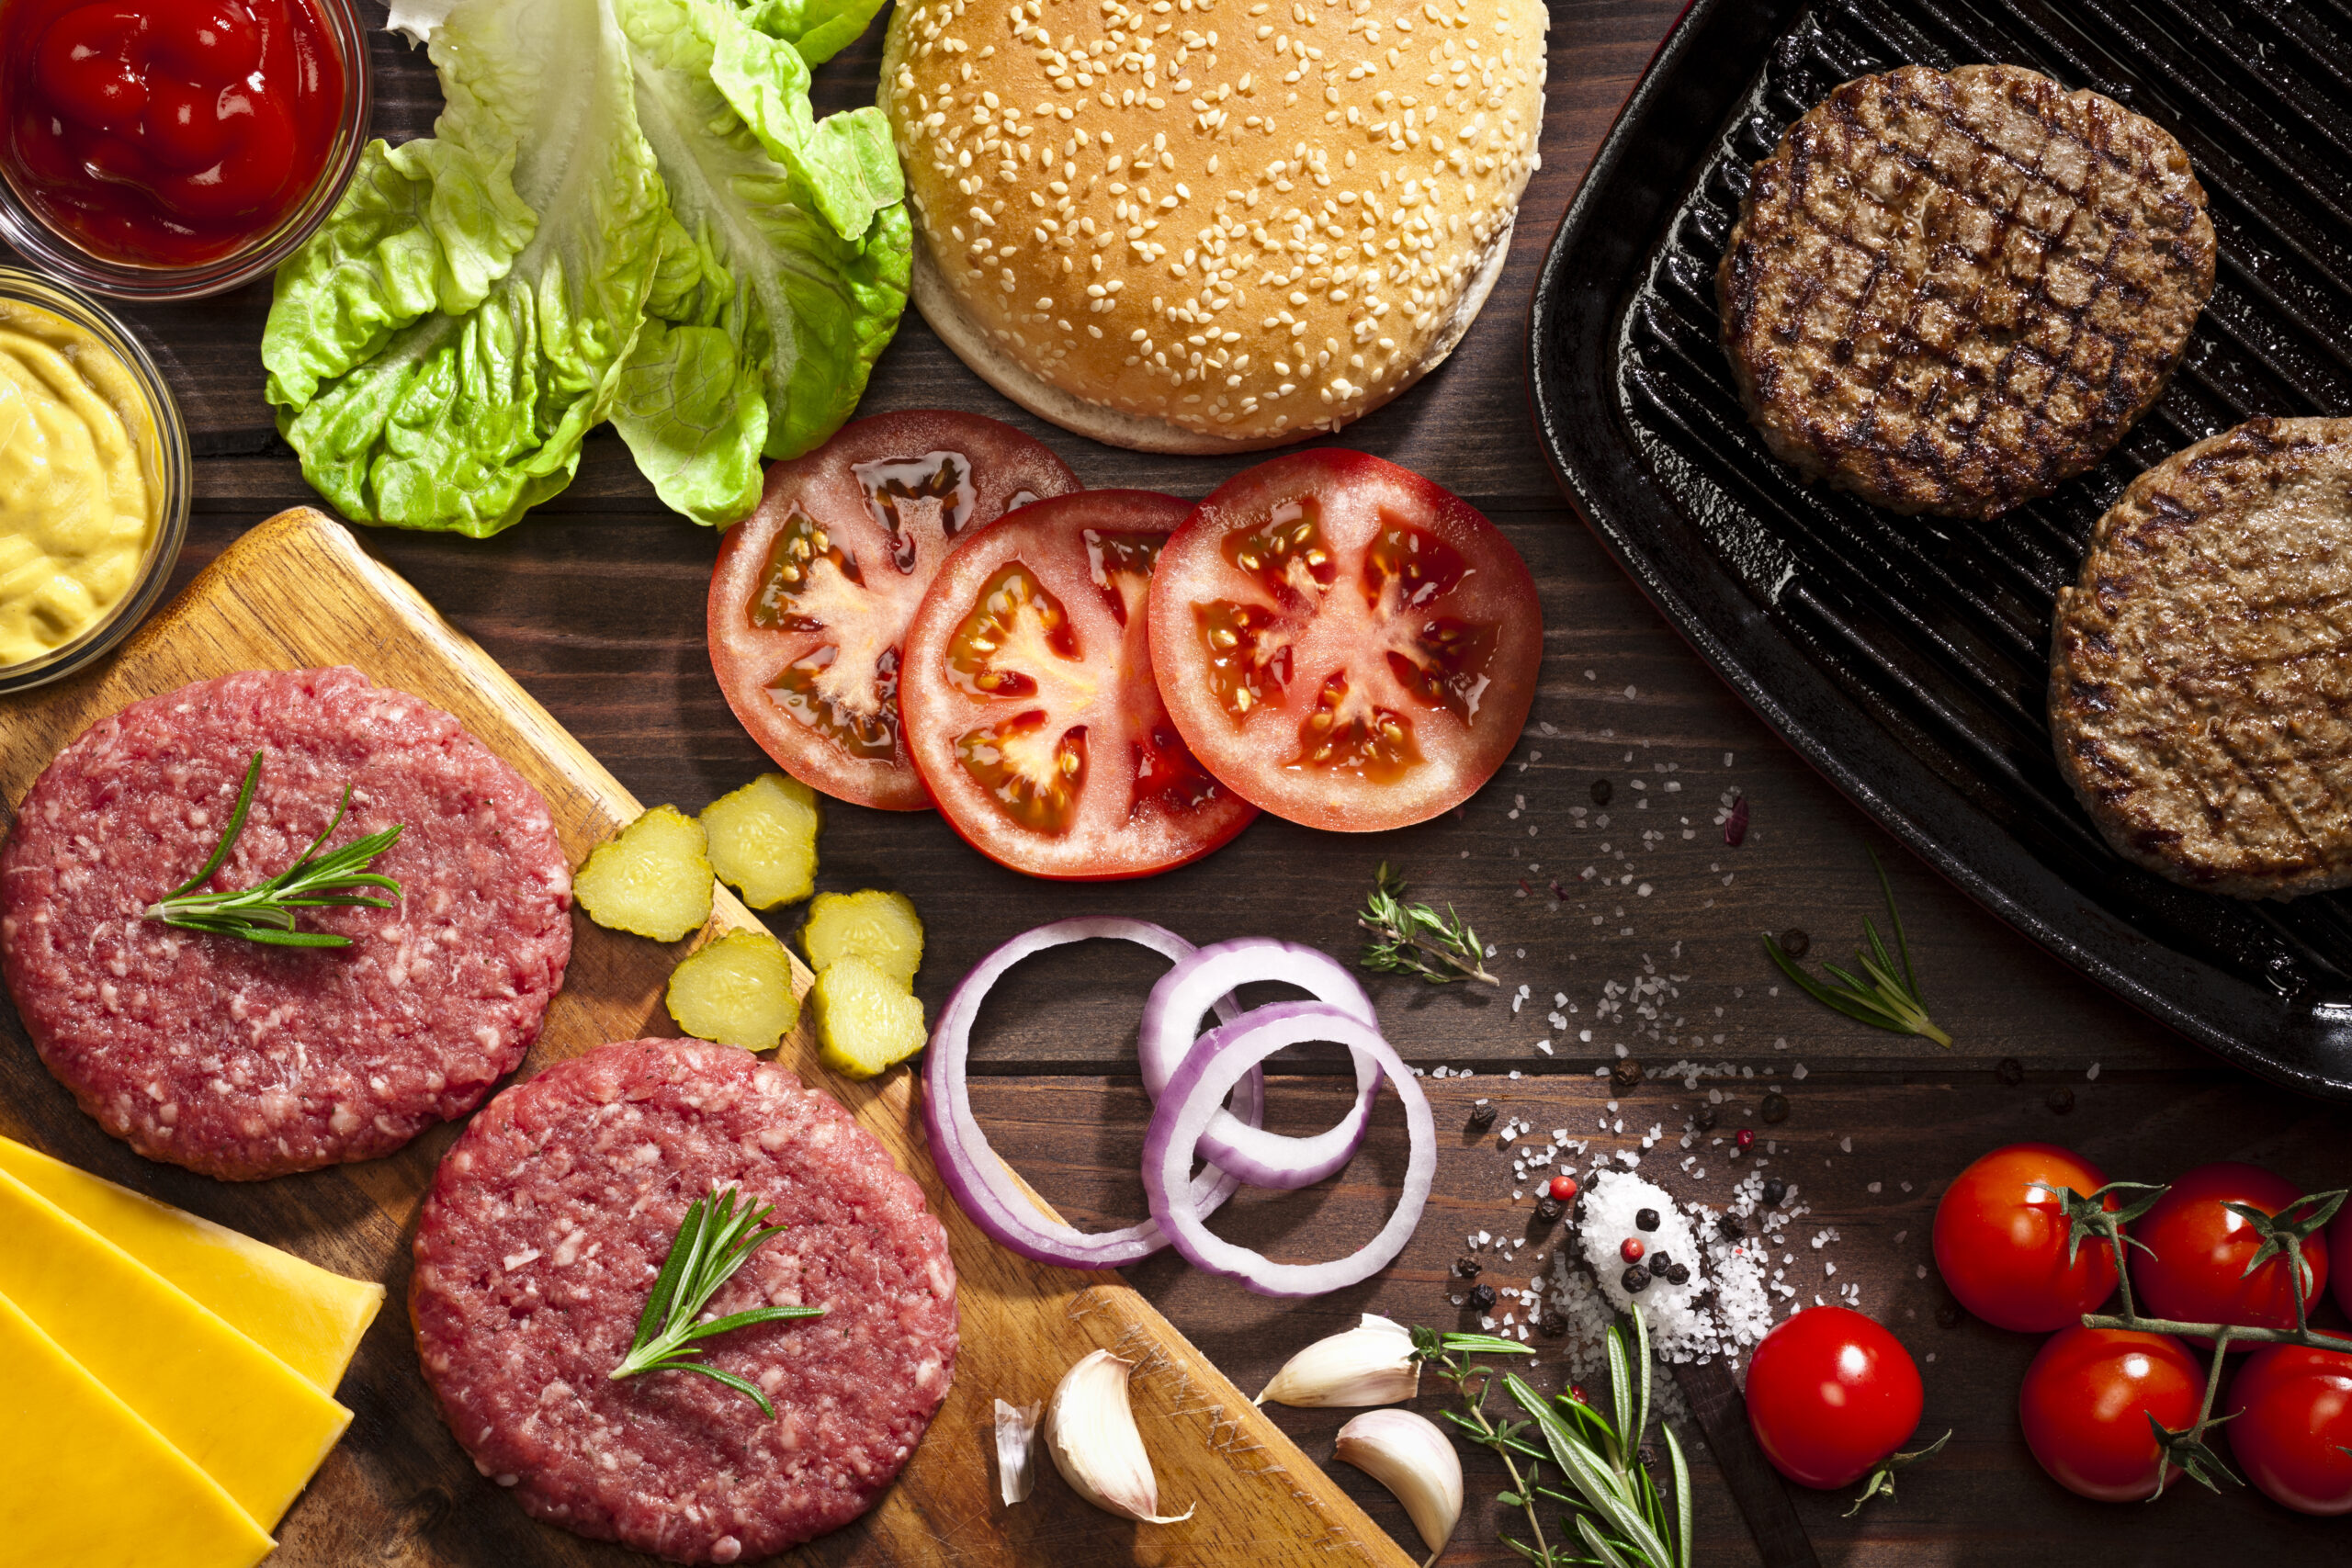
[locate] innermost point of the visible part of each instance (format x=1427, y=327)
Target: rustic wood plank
x=1982, y=1501
x=298, y=591
x=595, y=606
x=1465, y=427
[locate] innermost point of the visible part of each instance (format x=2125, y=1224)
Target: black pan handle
x=1755, y=1487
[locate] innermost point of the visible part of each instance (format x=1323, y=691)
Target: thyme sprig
x=265, y=914
x=714, y=1240
x=1615, y=1509
x=1889, y=997
x=2283, y=1235
x=1414, y=939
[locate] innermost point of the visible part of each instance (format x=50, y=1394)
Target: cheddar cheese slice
x=84, y=1481
x=307, y=1317
x=240, y=1415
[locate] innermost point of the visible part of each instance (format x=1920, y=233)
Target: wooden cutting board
x=299, y=591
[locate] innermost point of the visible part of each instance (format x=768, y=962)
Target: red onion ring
x=978, y=1180
x=1222, y=1059
x=1258, y=1157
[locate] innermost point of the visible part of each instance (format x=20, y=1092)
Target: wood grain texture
x=595, y=606
x=299, y=591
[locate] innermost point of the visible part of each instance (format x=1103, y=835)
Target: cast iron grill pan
x=1909, y=657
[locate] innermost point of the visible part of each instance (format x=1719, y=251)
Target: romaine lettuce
x=443, y=344
x=627, y=210
x=781, y=304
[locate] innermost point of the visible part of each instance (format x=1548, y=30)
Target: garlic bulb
x=1370, y=1364
x=1090, y=1432
x=1016, y=1450
x=1408, y=1455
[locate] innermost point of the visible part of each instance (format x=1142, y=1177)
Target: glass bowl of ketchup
x=170, y=149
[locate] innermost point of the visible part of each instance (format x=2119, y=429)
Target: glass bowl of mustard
x=94, y=481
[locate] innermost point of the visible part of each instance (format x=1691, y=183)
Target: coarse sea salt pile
x=1725, y=1309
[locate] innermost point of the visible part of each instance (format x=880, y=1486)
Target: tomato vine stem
x=2282, y=1236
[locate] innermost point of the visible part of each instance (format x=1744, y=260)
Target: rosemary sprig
x=1413, y=938
x=1615, y=1507
x=714, y=1240
x=265, y=914
x=1886, y=999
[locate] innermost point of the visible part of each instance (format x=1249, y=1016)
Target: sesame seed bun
x=1202, y=226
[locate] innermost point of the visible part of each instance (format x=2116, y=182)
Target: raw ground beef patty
x=242, y=1060
x=542, y=1235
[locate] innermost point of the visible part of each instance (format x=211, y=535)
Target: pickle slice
x=763, y=839
x=866, y=1018
x=652, y=879
x=737, y=991
x=881, y=928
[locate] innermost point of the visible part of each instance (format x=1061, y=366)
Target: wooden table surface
x=595, y=606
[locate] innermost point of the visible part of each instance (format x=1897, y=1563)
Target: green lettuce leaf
x=441, y=346
x=766, y=317
x=817, y=28
x=845, y=163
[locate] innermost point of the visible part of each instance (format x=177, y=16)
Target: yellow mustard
x=79, y=497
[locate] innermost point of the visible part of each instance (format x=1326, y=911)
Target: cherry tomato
x=1029, y=704
x=2001, y=1231
x=1344, y=643
x=2198, y=1270
x=811, y=597
x=2291, y=1422
x=2085, y=1402
x=1830, y=1394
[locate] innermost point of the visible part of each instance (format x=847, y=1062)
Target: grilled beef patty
x=1950, y=292
x=2200, y=679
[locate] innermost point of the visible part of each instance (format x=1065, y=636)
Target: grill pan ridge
x=1907, y=658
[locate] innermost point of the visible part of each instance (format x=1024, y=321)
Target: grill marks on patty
x=1950, y=292
x=2201, y=692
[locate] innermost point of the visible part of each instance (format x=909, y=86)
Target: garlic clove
x=1369, y=1364
x=1091, y=1433
x=1408, y=1454
x=1016, y=1450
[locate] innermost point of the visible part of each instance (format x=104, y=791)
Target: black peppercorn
x=1481, y=1298
x=2010, y=1071
x=1948, y=1313
x=1468, y=1267
x=1795, y=942
x=1677, y=1275
x=1660, y=1264
x=1774, y=1191
x=2062, y=1099
x=1482, y=1116
x=1648, y=1455
x=1552, y=1324
x=1549, y=1208
x=1602, y=791
x=1645, y=1219
x=1733, y=1227
x=1636, y=1279
x=1625, y=1073
x=1705, y=1118
x=1774, y=1107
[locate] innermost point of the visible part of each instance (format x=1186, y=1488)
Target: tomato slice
x=1029, y=701
x=1345, y=643
x=812, y=593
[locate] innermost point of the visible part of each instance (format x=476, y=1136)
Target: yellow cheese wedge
x=243, y=1416
x=307, y=1317
x=84, y=1480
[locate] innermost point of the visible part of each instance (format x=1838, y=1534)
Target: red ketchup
x=167, y=133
